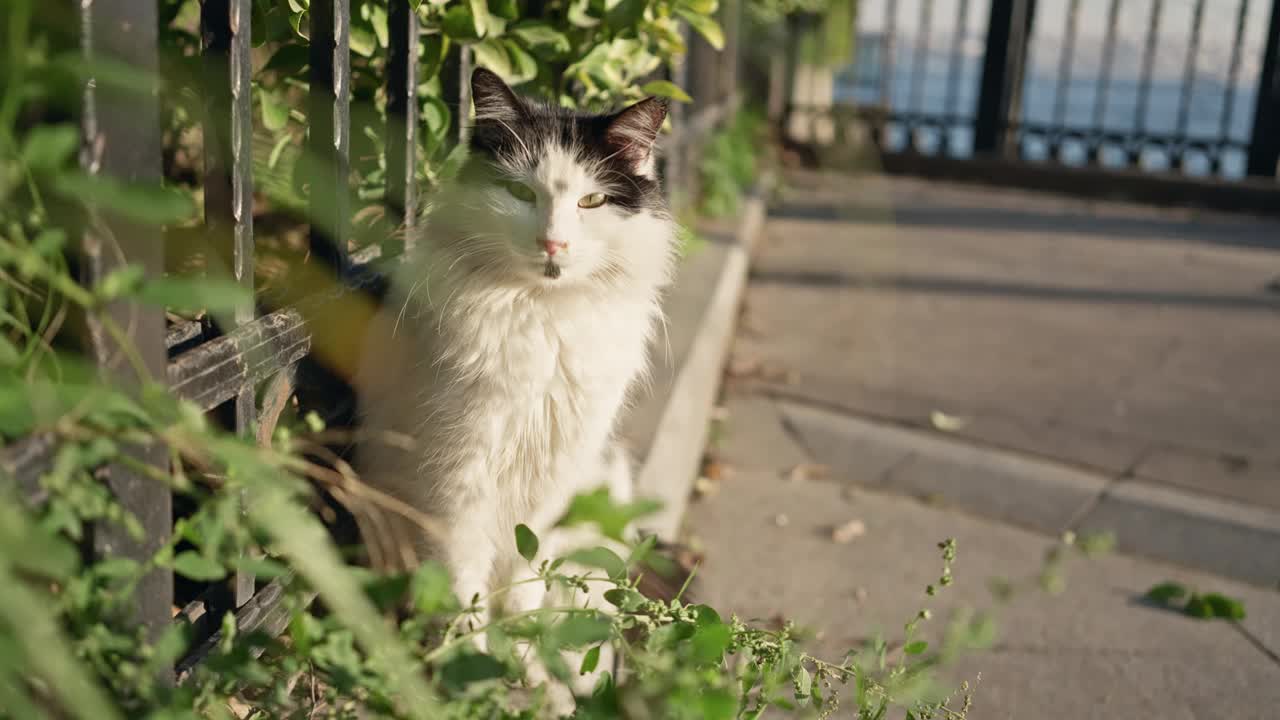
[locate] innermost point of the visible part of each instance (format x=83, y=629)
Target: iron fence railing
x=1149, y=85
x=260, y=356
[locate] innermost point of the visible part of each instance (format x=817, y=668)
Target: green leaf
x=590, y=661
x=49, y=147
x=624, y=599
x=262, y=567
x=378, y=19
x=33, y=629
x=702, y=7
x=916, y=647
x=275, y=113
x=480, y=17
x=523, y=65
x=468, y=668
x=147, y=204
x=433, y=52
x=362, y=41
x=707, y=27
x=1225, y=607
x=431, y=590
x=278, y=149
x=192, y=294
x=578, y=14
x=1166, y=592
x=198, y=567
x=9, y=355
x=436, y=115
x=625, y=14
x=526, y=542
x=121, y=281
x=493, y=55
x=541, y=36
x=709, y=643
x=603, y=558
x=1198, y=608
x=803, y=683
x=717, y=705
x=612, y=518
x=458, y=23
x=509, y=9
x=582, y=629
x=663, y=88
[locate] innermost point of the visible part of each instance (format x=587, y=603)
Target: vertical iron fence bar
x=886, y=52
x=1144, y=83
x=402, y=110
x=1064, y=80
x=121, y=140
x=1229, y=94
x=1264, y=141
x=1188, y=83
x=228, y=174
x=1008, y=32
x=329, y=139
x=953, y=74
x=918, y=65
x=455, y=89
x=1100, y=100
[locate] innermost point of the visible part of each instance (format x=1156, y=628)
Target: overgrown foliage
x=730, y=163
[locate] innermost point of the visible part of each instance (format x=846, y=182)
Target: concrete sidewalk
x=999, y=367
x=1092, y=652
x=1065, y=364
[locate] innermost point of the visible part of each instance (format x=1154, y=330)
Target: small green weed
x=1188, y=601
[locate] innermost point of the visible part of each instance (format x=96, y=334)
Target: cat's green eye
x=594, y=200
x=520, y=191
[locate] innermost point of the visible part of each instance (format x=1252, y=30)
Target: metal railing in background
x=223, y=371
x=1134, y=95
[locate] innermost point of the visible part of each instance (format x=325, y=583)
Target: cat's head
x=554, y=198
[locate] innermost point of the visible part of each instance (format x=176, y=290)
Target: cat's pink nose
x=553, y=246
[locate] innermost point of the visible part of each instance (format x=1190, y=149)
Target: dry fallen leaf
x=705, y=486
x=808, y=471
x=715, y=470
x=947, y=423
x=781, y=520
x=849, y=531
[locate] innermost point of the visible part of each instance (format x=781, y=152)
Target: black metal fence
x=228, y=370
x=1190, y=88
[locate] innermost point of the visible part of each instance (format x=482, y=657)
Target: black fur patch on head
x=511, y=132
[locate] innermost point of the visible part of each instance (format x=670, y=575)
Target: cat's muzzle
x=551, y=269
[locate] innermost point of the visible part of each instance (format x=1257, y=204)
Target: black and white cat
x=522, y=319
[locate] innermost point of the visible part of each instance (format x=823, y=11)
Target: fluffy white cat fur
x=519, y=324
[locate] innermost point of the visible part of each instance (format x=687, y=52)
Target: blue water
x=1077, y=109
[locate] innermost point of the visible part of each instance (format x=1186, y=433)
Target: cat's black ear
x=492, y=98
x=633, y=131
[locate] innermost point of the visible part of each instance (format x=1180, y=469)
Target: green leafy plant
x=1188, y=601
x=730, y=162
